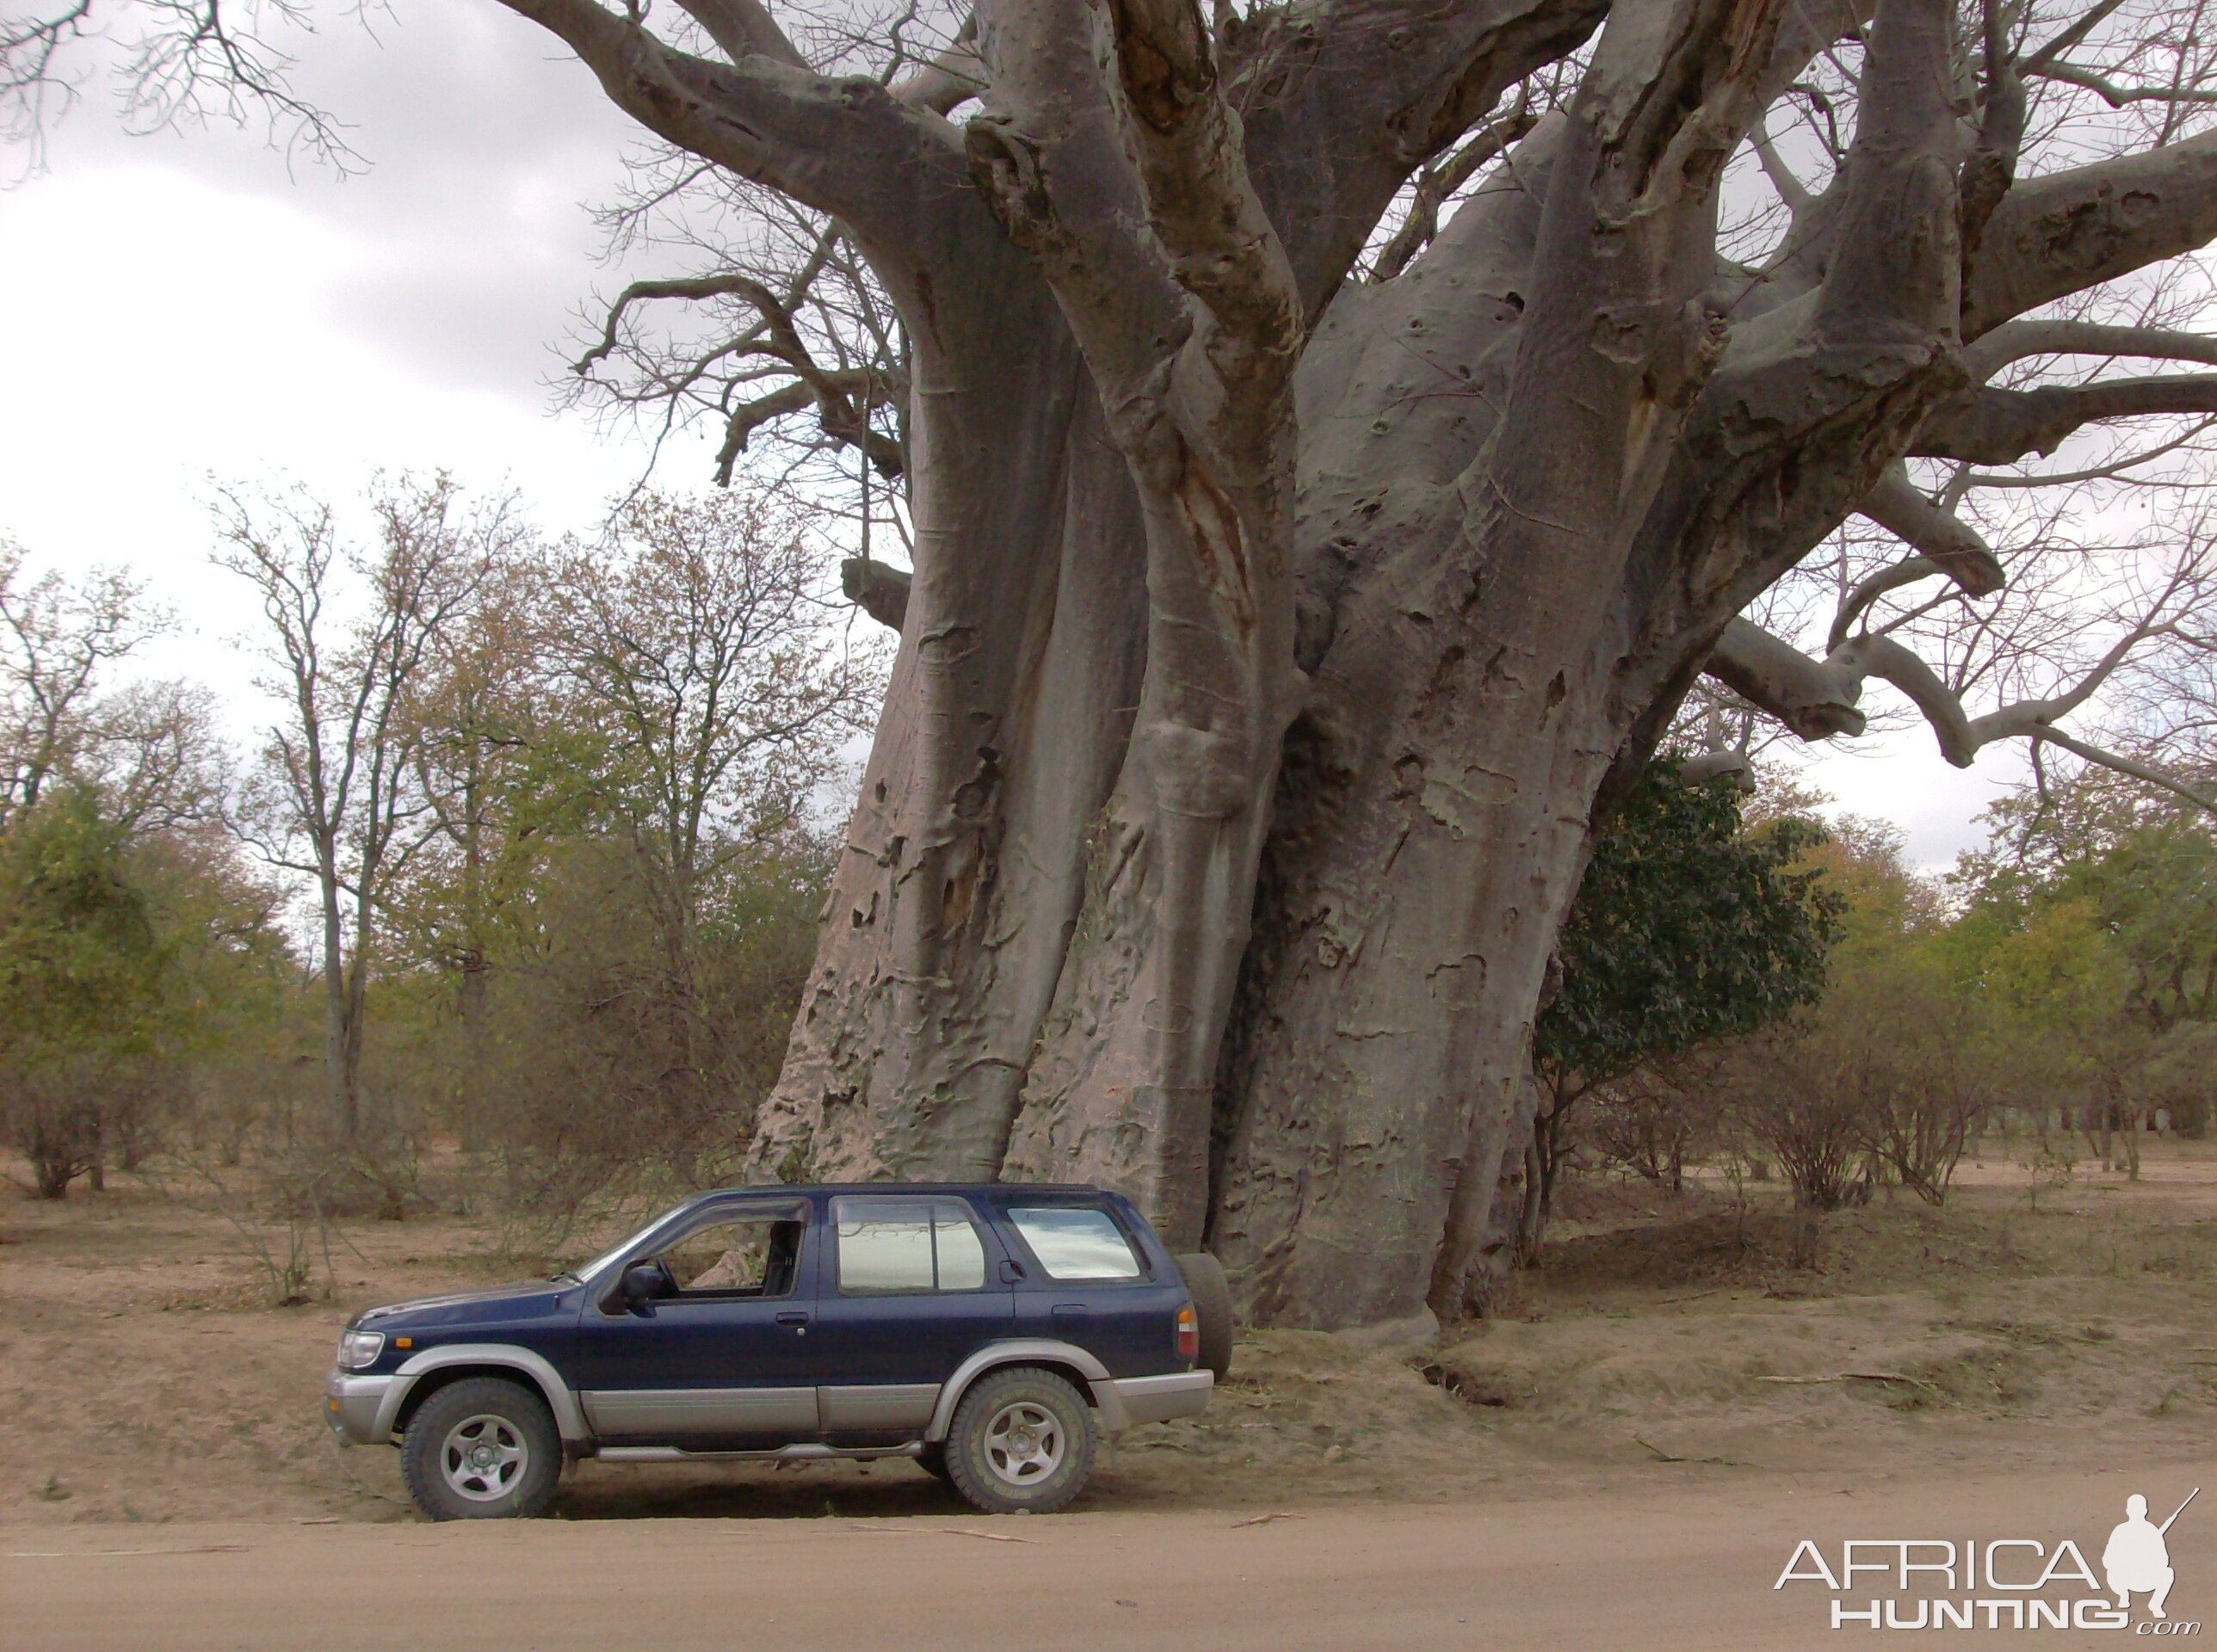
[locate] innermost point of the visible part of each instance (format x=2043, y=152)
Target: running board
x=808, y=1453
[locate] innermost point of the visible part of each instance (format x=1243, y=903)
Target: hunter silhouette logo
x=2000, y=1583
x=2137, y=1560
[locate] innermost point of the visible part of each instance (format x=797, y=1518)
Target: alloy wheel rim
x=484, y=1458
x=1023, y=1444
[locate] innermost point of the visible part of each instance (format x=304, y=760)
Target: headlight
x=359, y=1348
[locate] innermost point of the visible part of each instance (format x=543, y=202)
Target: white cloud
x=182, y=307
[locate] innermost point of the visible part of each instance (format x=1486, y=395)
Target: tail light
x=1188, y=1333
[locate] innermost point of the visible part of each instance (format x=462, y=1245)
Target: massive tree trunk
x=1011, y=709
x=1275, y=639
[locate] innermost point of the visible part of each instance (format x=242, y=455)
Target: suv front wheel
x=1021, y=1442
x=481, y=1449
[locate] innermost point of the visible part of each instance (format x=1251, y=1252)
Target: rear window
x=1076, y=1243
x=889, y=1246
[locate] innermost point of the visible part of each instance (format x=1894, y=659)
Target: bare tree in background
x=476, y=707
x=147, y=747
x=697, y=647
x=1333, y=439
x=332, y=798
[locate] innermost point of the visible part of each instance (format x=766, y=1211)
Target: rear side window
x=889, y=1246
x=1076, y=1243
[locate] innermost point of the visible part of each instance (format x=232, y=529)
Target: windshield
x=616, y=1252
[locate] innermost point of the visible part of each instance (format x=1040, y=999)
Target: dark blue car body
x=800, y=1365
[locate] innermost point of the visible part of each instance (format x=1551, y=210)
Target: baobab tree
x=1335, y=438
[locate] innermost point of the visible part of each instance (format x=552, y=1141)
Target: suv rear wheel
x=481, y=1449
x=1021, y=1442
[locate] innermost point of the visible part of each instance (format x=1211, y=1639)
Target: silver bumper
x=1153, y=1399
x=350, y=1407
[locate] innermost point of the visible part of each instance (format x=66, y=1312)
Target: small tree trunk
x=338, y=1068
x=1532, y=1220
x=470, y=1004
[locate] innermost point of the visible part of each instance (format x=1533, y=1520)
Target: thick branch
x=845, y=147
x=1811, y=697
x=1816, y=698
x=952, y=76
x=2116, y=96
x=1439, y=184
x=744, y=29
x=1191, y=162
x=880, y=589
x=1896, y=506
x=2054, y=236
x=2015, y=340
x=1342, y=102
x=2000, y=427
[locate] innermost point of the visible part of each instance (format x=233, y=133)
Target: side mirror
x=642, y=1283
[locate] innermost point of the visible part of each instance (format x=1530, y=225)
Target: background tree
x=496, y=777
x=81, y=971
x=332, y=798
x=1688, y=929
x=1890, y=1075
x=2093, y=915
x=147, y=745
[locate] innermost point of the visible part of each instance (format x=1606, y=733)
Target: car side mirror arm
x=641, y=1284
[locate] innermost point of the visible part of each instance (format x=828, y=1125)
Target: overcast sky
x=187, y=305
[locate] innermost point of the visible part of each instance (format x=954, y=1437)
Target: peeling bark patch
x=1213, y=522
x=947, y=646
x=1159, y=93
x=1174, y=1018
x=1443, y=674
x=2084, y=237
x=955, y=897
x=1557, y=689
x=1459, y=985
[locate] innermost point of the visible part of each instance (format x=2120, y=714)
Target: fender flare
x=569, y=1416
x=1029, y=1352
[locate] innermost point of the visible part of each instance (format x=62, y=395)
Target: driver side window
x=736, y=1256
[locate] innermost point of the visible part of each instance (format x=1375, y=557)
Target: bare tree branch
x=1954, y=545
x=2000, y=427
x=845, y=147
x=2053, y=236
x=2016, y=339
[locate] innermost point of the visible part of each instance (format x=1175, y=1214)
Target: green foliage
x=81, y=968
x=2090, y=922
x=1687, y=929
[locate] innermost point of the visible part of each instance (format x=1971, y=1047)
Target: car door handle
x=792, y=1317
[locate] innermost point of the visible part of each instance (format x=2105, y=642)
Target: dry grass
x=141, y=1378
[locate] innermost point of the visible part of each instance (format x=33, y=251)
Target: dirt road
x=1691, y=1566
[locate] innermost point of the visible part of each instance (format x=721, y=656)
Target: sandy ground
x=1682, y=1564
x=1663, y=1401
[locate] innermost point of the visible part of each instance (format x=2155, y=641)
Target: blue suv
x=990, y=1333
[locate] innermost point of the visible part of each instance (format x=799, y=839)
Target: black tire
x=1212, y=1300
x=522, y=1452
x=1009, y=1405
